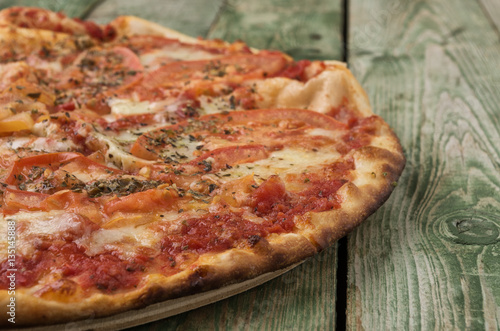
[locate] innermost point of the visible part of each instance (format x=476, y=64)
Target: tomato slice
x=24, y=167
x=255, y=66
x=226, y=157
x=131, y=63
x=151, y=144
x=89, y=168
x=308, y=117
x=142, y=202
x=15, y=200
x=96, y=74
x=114, y=68
x=130, y=121
x=78, y=203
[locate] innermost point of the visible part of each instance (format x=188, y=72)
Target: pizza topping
x=297, y=70
x=269, y=127
x=143, y=202
x=37, y=18
x=15, y=200
x=119, y=186
x=249, y=66
x=96, y=73
x=157, y=51
x=227, y=157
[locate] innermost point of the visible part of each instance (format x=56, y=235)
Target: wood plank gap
x=345, y=30
x=217, y=17
x=341, y=295
x=342, y=257
x=489, y=18
x=90, y=9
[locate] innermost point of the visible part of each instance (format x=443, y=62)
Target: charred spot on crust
x=254, y=239
x=197, y=280
x=152, y=295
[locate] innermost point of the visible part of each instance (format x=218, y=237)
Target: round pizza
x=140, y=165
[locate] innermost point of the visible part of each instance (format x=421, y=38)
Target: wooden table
x=430, y=257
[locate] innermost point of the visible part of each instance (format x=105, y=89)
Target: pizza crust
x=330, y=89
x=31, y=39
x=133, y=26
x=360, y=198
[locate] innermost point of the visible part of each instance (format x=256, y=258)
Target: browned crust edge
x=212, y=271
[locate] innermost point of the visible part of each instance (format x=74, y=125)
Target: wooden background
x=430, y=257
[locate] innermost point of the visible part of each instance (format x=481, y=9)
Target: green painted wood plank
x=311, y=30
x=191, y=17
x=491, y=9
x=70, y=8
x=429, y=258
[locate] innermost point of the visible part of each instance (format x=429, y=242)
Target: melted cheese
x=29, y=225
x=156, y=58
x=184, y=149
x=118, y=154
x=323, y=133
x=129, y=107
x=126, y=107
x=53, y=145
x=125, y=240
x=213, y=105
x=286, y=161
x=41, y=144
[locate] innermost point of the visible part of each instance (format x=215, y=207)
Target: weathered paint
x=429, y=258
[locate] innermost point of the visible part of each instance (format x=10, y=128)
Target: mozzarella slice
x=126, y=107
x=286, y=161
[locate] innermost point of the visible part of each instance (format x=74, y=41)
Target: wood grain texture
x=71, y=8
x=191, y=17
x=429, y=258
x=491, y=9
x=311, y=30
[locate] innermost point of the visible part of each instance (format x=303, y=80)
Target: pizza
x=140, y=165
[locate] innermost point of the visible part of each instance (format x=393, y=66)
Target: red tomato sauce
x=361, y=134
x=105, y=272
x=214, y=233
x=271, y=201
x=296, y=70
